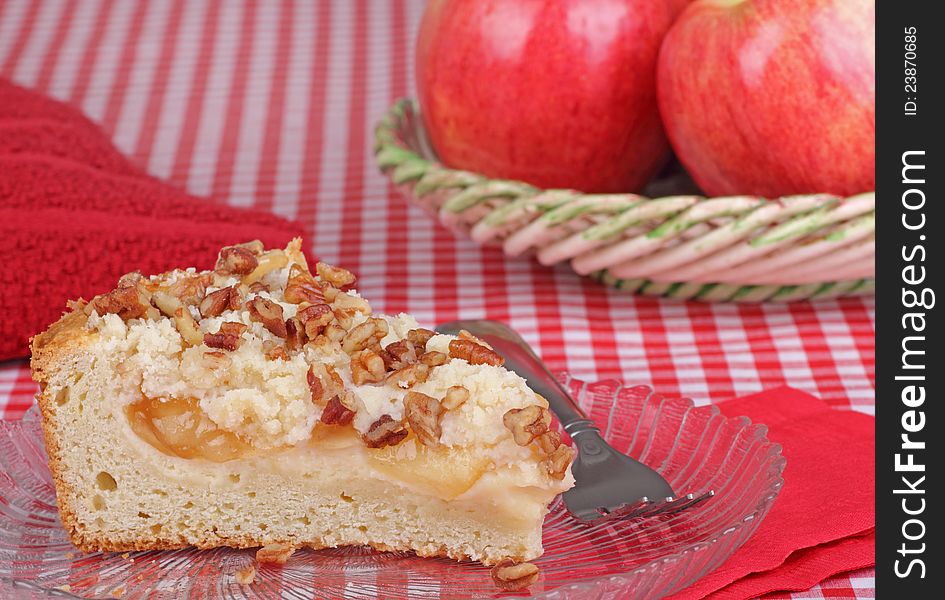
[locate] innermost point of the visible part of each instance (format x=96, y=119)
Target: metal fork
x=608, y=484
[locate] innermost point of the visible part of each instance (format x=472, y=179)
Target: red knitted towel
x=75, y=215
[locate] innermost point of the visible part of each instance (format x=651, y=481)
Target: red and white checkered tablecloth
x=272, y=104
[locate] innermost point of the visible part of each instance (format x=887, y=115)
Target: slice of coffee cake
x=261, y=403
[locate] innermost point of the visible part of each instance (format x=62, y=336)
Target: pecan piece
x=511, y=576
x=125, y=301
x=274, y=351
x=527, y=423
x=339, y=410
x=236, y=260
x=215, y=303
x=420, y=337
x=455, y=397
x=190, y=290
x=384, y=432
x=330, y=291
x=294, y=334
x=187, y=327
x=399, y=354
x=336, y=276
x=423, y=415
x=269, y=314
x=314, y=318
x=324, y=382
x=130, y=279
x=548, y=442
x=556, y=465
x=364, y=335
x=258, y=287
x=351, y=304
x=334, y=332
x=475, y=353
x=228, y=337
x=367, y=367
x=266, y=263
x=165, y=303
x=409, y=376
x=274, y=553
x=302, y=287
x=434, y=358
x=465, y=335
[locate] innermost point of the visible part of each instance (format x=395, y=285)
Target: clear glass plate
x=695, y=448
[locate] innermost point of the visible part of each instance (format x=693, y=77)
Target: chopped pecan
x=254, y=246
x=455, y=397
x=130, y=279
x=191, y=289
x=258, y=287
x=384, y=432
x=324, y=382
x=423, y=415
x=266, y=263
x=334, y=332
x=314, y=318
x=273, y=350
x=269, y=314
x=302, y=287
x=337, y=412
x=527, y=423
x=399, y=354
x=409, y=376
x=165, y=303
x=548, y=442
x=228, y=337
x=351, y=304
x=294, y=334
x=434, y=358
x=465, y=335
x=364, y=335
x=475, y=353
x=187, y=327
x=324, y=345
x=215, y=303
x=420, y=337
x=330, y=292
x=126, y=302
x=236, y=260
x=367, y=367
x=556, y=465
x=335, y=276
x=274, y=553
x=344, y=318
x=511, y=576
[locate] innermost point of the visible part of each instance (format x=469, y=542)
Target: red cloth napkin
x=75, y=215
x=823, y=521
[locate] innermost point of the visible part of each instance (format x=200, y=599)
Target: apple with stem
x=558, y=93
x=772, y=97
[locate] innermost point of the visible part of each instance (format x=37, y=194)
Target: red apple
x=772, y=97
x=558, y=93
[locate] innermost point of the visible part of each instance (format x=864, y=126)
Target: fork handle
x=520, y=358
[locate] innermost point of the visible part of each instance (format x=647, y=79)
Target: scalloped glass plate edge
x=25, y=488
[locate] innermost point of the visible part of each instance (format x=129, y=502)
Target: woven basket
x=736, y=248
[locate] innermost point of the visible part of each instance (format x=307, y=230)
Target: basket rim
x=810, y=245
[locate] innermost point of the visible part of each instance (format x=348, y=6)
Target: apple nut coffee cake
x=261, y=404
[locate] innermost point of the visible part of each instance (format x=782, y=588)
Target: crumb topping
x=269, y=349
